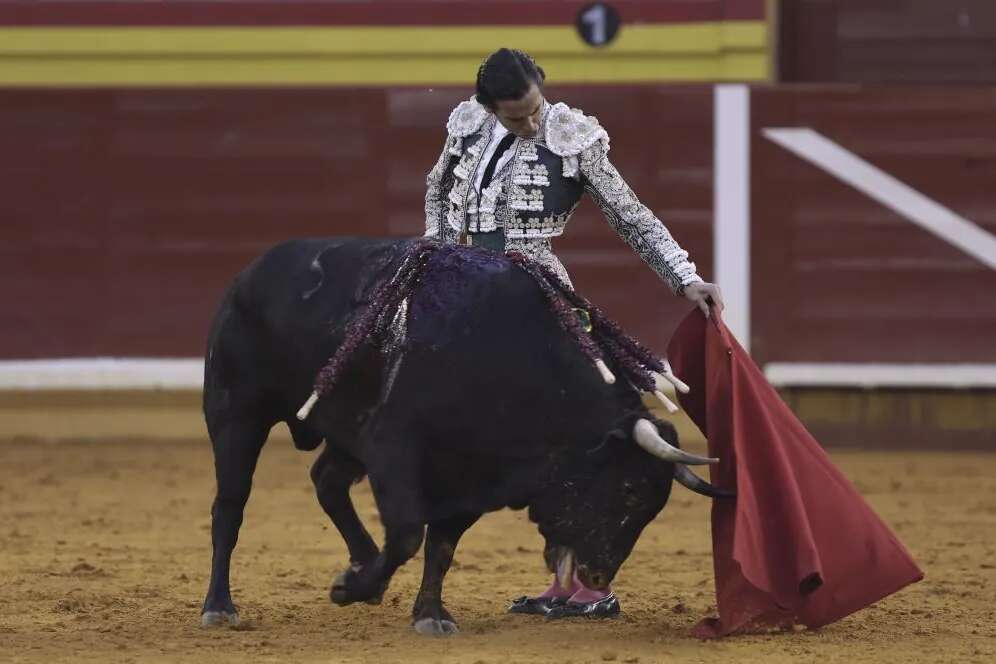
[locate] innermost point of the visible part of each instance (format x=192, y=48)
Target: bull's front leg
x=369, y=582
x=389, y=457
x=429, y=616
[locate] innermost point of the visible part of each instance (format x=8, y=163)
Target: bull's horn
x=308, y=405
x=693, y=482
x=565, y=569
x=668, y=404
x=607, y=375
x=647, y=437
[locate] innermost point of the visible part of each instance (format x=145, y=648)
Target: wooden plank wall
x=887, y=41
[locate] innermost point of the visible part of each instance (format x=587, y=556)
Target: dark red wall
x=837, y=277
x=361, y=12
x=887, y=41
x=125, y=212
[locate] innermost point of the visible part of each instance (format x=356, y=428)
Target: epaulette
x=569, y=131
x=466, y=118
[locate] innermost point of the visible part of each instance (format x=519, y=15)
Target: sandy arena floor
x=104, y=556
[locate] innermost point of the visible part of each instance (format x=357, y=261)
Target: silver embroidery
x=523, y=174
x=538, y=227
x=466, y=118
x=469, y=159
x=634, y=222
x=539, y=250
x=570, y=167
x=530, y=200
x=433, y=193
x=477, y=147
x=482, y=213
x=515, y=198
x=462, y=195
x=569, y=131
x=527, y=151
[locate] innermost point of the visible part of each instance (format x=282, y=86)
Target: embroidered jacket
x=535, y=193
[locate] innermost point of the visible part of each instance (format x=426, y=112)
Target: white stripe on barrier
x=731, y=202
x=887, y=190
x=103, y=373
x=800, y=374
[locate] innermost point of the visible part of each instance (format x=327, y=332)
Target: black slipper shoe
x=607, y=607
x=537, y=606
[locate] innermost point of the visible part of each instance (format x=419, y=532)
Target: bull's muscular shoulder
x=466, y=118
x=569, y=132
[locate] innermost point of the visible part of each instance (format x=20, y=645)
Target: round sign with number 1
x=598, y=23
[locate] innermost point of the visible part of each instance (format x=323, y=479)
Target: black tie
x=502, y=148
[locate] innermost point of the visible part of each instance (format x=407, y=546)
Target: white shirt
x=500, y=133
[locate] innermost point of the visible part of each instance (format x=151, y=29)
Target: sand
x=104, y=556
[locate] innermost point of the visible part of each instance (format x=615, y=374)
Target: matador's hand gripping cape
x=798, y=544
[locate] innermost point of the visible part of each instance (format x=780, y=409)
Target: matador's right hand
x=703, y=294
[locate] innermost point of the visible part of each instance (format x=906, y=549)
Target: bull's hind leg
x=333, y=474
x=237, y=443
x=429, y=616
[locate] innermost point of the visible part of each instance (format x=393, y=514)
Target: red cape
x=798, y=544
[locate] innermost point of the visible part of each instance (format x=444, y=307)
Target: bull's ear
x=617, y=433
x=610, y=436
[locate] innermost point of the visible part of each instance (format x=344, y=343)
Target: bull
x=483, y=403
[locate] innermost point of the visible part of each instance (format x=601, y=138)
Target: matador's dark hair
x=507, y=74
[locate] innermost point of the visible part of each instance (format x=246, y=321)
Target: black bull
x=487, y=404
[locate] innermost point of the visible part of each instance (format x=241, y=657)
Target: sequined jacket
x=535, y=193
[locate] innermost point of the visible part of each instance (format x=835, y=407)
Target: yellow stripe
x=448, y=40
x=372, y=55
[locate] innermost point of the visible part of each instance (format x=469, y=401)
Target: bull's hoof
x=211, y=619
x=430, y=618
x=433, y=627
x=339, y=594
x=348, y=588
